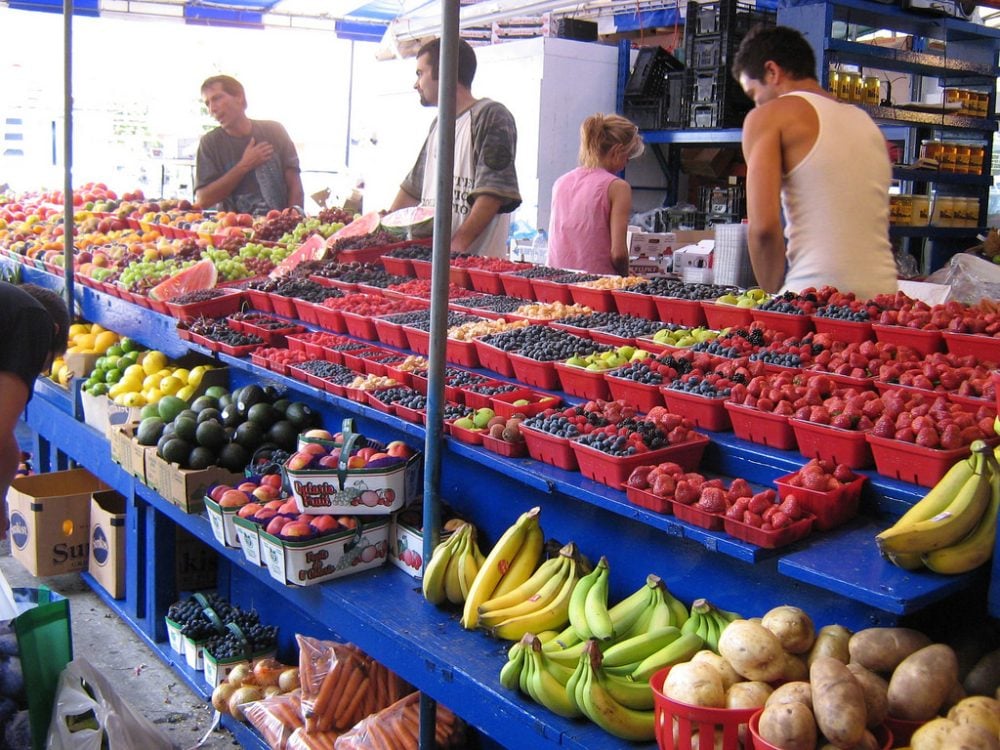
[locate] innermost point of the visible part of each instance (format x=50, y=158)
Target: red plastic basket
x=883, y=735
x=391, y=333
x=979, y=346
x=862, y=384
x=925, y=342
x=410, y=415
x=600, y=300
x=533, y=372
x=649, y=501
x=634, y=303
x=726, y=316
x=398, y=266
x=579, y=381
x=685, y=719
x=796, y=326
x=344, y=286
x=641, y=395
x=271, y=336
x=707, y=413
x=376, y=403
x=762, y=427
x=682, y=312
x=284, y=305
x=848, y=331
x=913, y=463
x=517, y=286
x=325, y=317
x=651, y=345
x=614, y=471
x=611, y=339
x=360, y=326
x=505, y=448
x=260, y=300
x=472, y=437
x=695, y=516
x=971, y=404
x=503, y=404
x=768, y=538
x=831, y=508
x=832, y=443
x=552, y=291
x=900, y=731
x=485, y=281
x=493, y=358
x=461, y=352
x=233, y=351
x=417, y=340
x=549, y=449
x=225, y=304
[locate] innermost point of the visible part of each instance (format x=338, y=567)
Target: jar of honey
x=833, y=82
x=920, y=215
x=858, y=89
x=949, y=156
x=872, y=91
x=931, y=148
x=845, y=89
x=977, y=153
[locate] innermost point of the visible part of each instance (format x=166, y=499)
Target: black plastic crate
x=715, y=115
x=707, y=85
x=712, y=50
x=727, y=16
x=577, y=28
x=648, y=77
x=675, y=112
x=645, y=111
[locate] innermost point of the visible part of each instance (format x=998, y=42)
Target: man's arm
x=620, y=194
x=480, y=215
x=218, y=190
x=762, y=149
x=15, y=396
x=296, y=195
x=403, y=200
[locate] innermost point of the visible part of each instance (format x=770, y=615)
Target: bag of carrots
x=341, y=685
x=303, y=740
x=398, y=728
x=276, y=718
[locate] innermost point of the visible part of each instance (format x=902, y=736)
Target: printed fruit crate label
x=174, y=636
x=365, y=492
x=247, y=533
x=325, y=558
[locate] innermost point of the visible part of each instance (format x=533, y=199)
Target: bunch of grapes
x=376, y=238
x=336, y=216
x=142, y=275
x=271, y=230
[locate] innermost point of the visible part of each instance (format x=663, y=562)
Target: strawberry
x=928, y=438
x=664, y=486
x=844, y=474
x=740, y=488
x=780, y=521
x=752, y=519
x=761, y=502
x=816, y=481
x=790, y=507
x=685, y=492
x=639, y=478
x=712, y=500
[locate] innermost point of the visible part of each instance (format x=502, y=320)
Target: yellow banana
x=452, y=586
x=469, y=565
x=680, y=650
x=637, y=648
x=628, y=692
x=544, y=688
x=952, y=523
x=572, y=684
x=564, y=639
x=535, y=602
x=906, y=560
x=495, y=565
x=596, y=604
x=433, y=583
x=977, y=547
x=551, y=616
x=526, y=590
x=569, y=655
x=510, y=673
x=599, y=706
x=524, y=563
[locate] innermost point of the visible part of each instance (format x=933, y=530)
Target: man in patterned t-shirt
x=35, y=325
x=486, y=189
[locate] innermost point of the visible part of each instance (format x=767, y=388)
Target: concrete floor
x=139, y=676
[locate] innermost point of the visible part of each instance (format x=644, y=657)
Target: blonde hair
x=600, y=133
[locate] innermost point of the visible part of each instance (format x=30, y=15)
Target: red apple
x=329, y=462
x=324, y=524
x=275, y=525
x=233, y=499
x=296, y=529
x=274, y=504
x=264, y=515
x=377, y=456
x=399, y=449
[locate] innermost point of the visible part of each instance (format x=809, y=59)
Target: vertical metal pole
x=68, y=151
x=350, y=98
x=447, y=78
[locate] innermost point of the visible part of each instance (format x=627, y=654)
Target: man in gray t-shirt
x=244, y=165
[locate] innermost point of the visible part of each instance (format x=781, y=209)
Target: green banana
x=552, y=615
x=569, y=655
x=596, y=604
x=469, y=565
x=976, y=547
x=577, y=604
x=663, y=613
x=677, y=608
x=496, y=565
x=628, y=692
x=694, y=623
x=680, y=650
x=452, y=586
x=711, y=622
x=433, y=583
x=544, y=688
x=579, y=674
x=951, y=524
x=538, y=600
x=626, y=612
x=510, y=673
x=638, y=647
x=597, y=704
x=564, y=639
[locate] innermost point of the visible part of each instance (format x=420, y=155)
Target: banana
x=626, y=612
x=535, y=602
x=526, y=590
x=544, y=688
x=951, y=524
x=510, y=673
x=524, y=563
x=694, y=623
x=680, y=650
x=577, y=604
x=905, y=560
x=597, y=704
x=496, y=564
x=977, y=547
x=553, y=615
x=663, y=613
x=628, y=692
x=569, y=655
x=433, y=583
x=677, y=609
x=579, y=674
x=452, y=586
x=547, y=635
x=596, y=604
x=637, y=648
x=469, y=565
x=711, y=622
x=563, y=640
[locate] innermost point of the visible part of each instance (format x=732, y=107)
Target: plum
x=17, y=733
x=11, y=677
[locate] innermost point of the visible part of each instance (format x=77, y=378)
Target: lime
x=99, y=389
x=169, y=407
x=115, y=350
x=113, y=375
x=129, y=345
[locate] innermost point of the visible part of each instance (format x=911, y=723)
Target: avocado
x=233, y=457
x=187, y=414
x=200, y=458
x=281, y=404
x=231, y=416
x=176, y=451
x=301, y=415
x=250, y=435
x=184, y=428
x=149, y=431
x=206, y=414
x=204, y=402
x=249, y=395
x=284, y=434
x=211, y=435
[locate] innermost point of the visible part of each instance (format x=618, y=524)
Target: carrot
x=347, y=680
x=378, y=735
x=285, y=713
x=347, y=712
x=331, y=687
x=408, y=733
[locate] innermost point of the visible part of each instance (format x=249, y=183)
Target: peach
x=249, y=510
x=324, y=524
x=233, y=499
x=315, y=449
x=299, y=460
x=297, y=529
x=275, y=525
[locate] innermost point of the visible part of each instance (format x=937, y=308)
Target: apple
x=249, y=510
x=377, y=456
x=399, y=449
x=233, y=499
x=297, y=530
x=317, y=434
x=348, y=522
x=324, y=524
x=304, y=517
x=275, y=525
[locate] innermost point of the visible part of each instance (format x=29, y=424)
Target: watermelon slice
x=313, y=248
x=412, y=223
x=201, y=275
x=360, y=227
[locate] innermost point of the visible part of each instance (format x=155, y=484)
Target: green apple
x=577, y=361
x=483, y=416
x=746, y=302
x=465, y=423
x=626, y=351
x=638, y=355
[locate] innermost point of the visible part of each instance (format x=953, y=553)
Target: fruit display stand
x=837, y=576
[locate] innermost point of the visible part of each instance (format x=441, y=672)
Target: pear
x=728, y=299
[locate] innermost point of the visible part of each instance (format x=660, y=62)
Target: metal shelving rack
x=836, y=576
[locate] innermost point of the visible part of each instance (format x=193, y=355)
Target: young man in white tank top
x=823, y=163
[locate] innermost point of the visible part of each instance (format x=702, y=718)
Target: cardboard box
x=406, y=540
x=326, y=557
x=362, y=492
x=196, y=564
x=660, y=247
x=107, y=541
x=248, y=536
x=185, y=488
x=80, y=364
x=50, y=520
x=126, y=451
x=698, y=255
x=95, y=411
x=223, y=523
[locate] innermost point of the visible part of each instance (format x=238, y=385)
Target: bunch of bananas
x=708, y=621
x=510, y=563
x=453, y=567
x=539, y=604
x=953, y=528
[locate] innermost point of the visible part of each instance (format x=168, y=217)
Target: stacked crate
x=654, y=94
x=713, y=32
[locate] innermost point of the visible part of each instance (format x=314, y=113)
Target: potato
x=789, y=726
x=838, y=702
x=868, y=742
x=791, y=692
x=971, y=737
x=876, y=692
x=753, y=650
x=793, y=627
x=795, y=668
x=720, y=665
x=919, y=685
x=696, y=683
x=831, y=641
x=984, y=677
x=978, y=710
x=955, y=694
x=748, y=694
x=718, y=740
x=933, y=735
x=882, y=649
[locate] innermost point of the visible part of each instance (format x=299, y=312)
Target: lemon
x=170, y=385
x=85, y=341
x=151, y=381
x=134, y=371
x=153, y=395
x=134, y=399
x=116, y=390
x=105, y=340
x=186, y=392
x=165, y=371
x=119, y=399
x=133, y=384
x=154, y=361
x=77, y=328
x=96, y=328
x=196, y=374
x=182, y=374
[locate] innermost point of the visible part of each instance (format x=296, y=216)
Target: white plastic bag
x=970, y=277
x=86, y=701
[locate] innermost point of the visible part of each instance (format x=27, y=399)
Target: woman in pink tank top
x=590, y=205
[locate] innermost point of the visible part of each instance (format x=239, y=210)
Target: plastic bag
x=399, y=726
x=970, y=277
x=276, y=718
x=303, y=740
x=87, y=710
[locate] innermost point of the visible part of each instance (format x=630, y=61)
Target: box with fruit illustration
x=225, y=502
x=347, y=473
x=406, y=539
x=303, y=556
